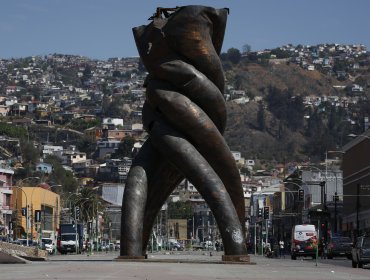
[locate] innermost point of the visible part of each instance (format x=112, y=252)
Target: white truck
x=304, y=241
x=70, y=238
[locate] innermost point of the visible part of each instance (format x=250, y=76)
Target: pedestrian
x=281, y=248
x=217, y=244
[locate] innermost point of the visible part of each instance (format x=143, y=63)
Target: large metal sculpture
x=185, y=117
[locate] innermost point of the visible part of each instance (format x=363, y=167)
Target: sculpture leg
x=183, y=155
x=133, y=206
x=149, y=183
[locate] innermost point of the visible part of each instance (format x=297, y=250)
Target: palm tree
x=89, y=204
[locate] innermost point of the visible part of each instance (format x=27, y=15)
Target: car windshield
x=47, y=241
x=341, y=240
x=67, y=237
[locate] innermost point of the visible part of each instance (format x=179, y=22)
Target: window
x=366, y=242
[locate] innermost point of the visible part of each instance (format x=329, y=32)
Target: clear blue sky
x=102, y=28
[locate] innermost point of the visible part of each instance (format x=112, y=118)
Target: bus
x=304, y=241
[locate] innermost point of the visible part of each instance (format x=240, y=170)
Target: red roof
x=44, y=186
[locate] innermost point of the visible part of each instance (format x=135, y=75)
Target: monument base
x=236, y=259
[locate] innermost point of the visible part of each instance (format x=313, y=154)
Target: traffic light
x=259, y=213
x=24, y=211
x=266, y=212
x=37, y=216
x=77, y=213
x=336, y=197
x=300, y=195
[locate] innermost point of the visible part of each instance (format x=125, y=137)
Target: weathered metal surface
x=185, y=116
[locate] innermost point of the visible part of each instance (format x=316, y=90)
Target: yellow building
x=43, y=208
x=177, y=228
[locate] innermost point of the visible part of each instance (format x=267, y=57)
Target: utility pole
x=75, y=218
x=357, y=211
x=335, y=211
x=255, y=238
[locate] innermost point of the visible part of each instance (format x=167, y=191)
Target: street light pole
x=29, y=207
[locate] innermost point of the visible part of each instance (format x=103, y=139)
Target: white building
x=112, y=121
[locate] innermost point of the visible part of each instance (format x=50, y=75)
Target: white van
x=304, y=241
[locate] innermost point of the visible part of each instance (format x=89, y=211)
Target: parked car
x=176, y=246
x=339, y=246
x=361, y=252
x=208, y=245
x=48, y=245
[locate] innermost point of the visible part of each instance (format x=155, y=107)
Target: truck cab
x=67, y=243
x=70, y=238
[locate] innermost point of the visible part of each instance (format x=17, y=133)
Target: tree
x=88, y=202
x=247, y=48
x=60, y=176
x=261, y=119
x=29, y=153
x=125, y=148
x=179, y=210
x=116, y=74
x=13, y=131
x=234, y=55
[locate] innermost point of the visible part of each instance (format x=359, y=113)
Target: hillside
x=277, y=140
x=255, y=79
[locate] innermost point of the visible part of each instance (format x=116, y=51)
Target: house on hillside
x=4, y=110
x=112, y=123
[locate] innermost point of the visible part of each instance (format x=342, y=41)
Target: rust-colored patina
x=185, y=116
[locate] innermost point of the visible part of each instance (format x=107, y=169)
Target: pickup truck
x=361, y=252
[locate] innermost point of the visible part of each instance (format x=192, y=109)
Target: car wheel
x=360, y=265
x=330, y=257
x=354, y=264
x=293, y=257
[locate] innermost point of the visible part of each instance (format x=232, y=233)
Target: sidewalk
x=203, y=267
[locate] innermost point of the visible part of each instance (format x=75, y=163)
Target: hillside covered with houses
x=88, y=112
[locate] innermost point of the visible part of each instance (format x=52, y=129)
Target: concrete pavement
x=203, y=267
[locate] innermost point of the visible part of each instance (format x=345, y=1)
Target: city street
x=198, y=265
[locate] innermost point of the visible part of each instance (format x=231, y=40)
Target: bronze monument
x=185, y=117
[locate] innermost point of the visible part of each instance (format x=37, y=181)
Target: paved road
x=103, y=266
